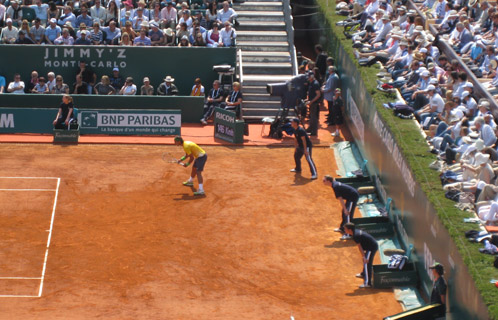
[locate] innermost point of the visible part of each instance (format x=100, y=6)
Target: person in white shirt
x=129, y=88
x=486, y=132
x=97, y=12
x=16, y=86
x=168, y=16
x=41, y=10
x=432, y=109
x=228, y=35
x=9, y=33
x=226, y=14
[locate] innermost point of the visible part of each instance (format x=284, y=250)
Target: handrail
x=241, y=73
x=289, y=27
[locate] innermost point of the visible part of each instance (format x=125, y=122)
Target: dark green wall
x=191, y=107
x=183, y=64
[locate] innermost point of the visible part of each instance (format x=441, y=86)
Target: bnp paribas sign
x=69, y=57
x=130, y=122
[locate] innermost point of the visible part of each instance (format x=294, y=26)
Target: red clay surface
x=130, y=242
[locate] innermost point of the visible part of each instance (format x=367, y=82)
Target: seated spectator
x=213, y=100
x=64, y=39
x=41, y=87
x=98, y=13
x=125, y=40
x=117, y=81
x=199, y=17
x=185, y=18
x=37, y=32
x=80, y=86
x=22, y=39
x=213, y=38
x=84, y=18
x=129, y=88
x=68, y=16
x=2, y=84
x=71, y=30
x=83, y=40
x=182, y=30
x=60, y=87
x=141, y=6
x=128, y=28
x=65, y=113
x=104, y=87
x=128, y=10
x=167, y=88
x=112, y=34
x=126, y=18
x=234, y=100
x=9, y=33
x=51, y=80
x=52, y=32
x=197, y=89
x=155, y=13
x=168, y=16
x=96, y=35
x=142, y=40
x=139, y=19
x=169, y=37
x=41, y=10
x=25, y=27
x=16, y=86
x=211, y=14
x=146, y=89
x=226, y=14
x=228, y=35
x=112, y=13
x=156, y=36
x=32, y=82
x=184, y=42
x=199, y=40
x=14, y=12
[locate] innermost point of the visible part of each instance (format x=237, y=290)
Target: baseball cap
x=469, y=85
x=154, y=24
x=296, y=120
x=438, y=267
x=146, y=79
x=115, y=69
x=8, y=20
x=53, y=20
x=423, y=50
x=465, y=94
x=430, y=87
x=425, y=73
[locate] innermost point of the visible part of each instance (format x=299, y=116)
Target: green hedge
x=415, y=150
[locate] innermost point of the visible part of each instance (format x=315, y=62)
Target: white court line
x=54, y=178
x=20, y=278
x=16, y=296
x=49, y=237
x=28, y=190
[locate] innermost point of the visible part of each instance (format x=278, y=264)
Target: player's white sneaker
x=314, y=177
x=346, y=237
x=296, y=171
x=338, y=230
x=359, y=275
x=365, y=286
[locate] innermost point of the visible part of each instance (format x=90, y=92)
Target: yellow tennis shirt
x=191, y=148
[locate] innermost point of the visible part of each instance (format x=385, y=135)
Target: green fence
x=191, y=107
x=183, y=64
x=415, y=218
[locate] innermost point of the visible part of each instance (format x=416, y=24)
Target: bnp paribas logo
x=89, y=119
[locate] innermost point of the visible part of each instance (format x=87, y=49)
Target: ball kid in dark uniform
x=303, y=147
x=368, y=247
x=438, y=294
x=348, y=197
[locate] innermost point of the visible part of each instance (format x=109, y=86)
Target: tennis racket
x=168, y=158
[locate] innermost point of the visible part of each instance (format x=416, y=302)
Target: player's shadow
x=340, y=244
x=299, y=180
x=366, y=291
x=186, y=196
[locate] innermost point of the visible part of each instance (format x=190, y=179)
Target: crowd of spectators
x=459, y=125
x=126, y=23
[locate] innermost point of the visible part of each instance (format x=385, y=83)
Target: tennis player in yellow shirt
x=192, y=150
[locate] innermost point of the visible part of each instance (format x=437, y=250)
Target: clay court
x=128, y=241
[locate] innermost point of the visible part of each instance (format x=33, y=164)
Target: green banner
x=227, y=127
x=183, y=64
x=130, y=122
x=116, y=122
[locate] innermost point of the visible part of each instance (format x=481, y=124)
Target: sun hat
x=169, y=79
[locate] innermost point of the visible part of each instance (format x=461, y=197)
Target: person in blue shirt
x=52, y=32
x=84, y=18
x=2, y=84
x=142, y=39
